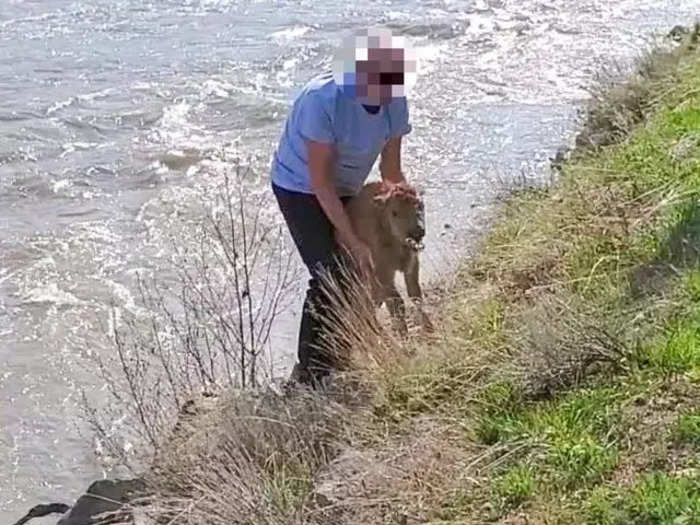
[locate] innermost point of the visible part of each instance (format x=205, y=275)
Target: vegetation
x=562, y=385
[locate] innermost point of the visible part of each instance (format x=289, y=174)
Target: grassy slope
x=570, y=369
x=563, y=385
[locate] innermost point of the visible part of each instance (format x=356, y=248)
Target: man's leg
x=313, y=236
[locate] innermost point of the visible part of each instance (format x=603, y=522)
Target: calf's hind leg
x=415, y=292
x=397, y=309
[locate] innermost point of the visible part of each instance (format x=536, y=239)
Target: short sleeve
x=399, y=118
x=313, y=119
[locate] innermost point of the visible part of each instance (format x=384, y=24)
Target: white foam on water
x=142, y=86
x=58, y=185
x=51, y=294
x=175, y=116
x=39, y=18
x=124, y=297
x=397, y=15
x=216, y=88
x=175, y=130
x=290, y=63
x=291, y=33
x=216, y=3
x=59, y=105
x=89, y=97
x=6, y=274
x=72, y=147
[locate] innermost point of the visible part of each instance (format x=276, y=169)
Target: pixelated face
x=375, y=67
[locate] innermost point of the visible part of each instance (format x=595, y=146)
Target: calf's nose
x=418, y=233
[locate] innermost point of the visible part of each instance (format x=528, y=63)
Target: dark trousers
x=313, y=235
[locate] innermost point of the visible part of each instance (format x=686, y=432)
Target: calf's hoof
x=426, y=323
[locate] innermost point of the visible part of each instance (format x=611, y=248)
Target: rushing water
x=110, y=111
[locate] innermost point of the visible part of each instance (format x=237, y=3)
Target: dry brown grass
x=251, y=459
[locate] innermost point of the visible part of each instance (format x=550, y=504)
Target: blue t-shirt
x=323, y=113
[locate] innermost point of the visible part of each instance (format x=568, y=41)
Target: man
x=338, y=126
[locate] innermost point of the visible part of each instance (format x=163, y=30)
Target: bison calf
x=389, y=218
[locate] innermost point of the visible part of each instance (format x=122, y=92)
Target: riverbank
x=562, y=385
x=566, y=385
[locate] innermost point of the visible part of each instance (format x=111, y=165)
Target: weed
x=604, y=507
x=659, y=498
x=687, y=428
x=678, y=351
x=655, y=499
x=582, y=460
x=515, y=487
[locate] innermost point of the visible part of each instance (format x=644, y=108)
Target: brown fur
x=383, y=216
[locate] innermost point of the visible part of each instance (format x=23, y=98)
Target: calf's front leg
x=411, y=275
x=394, y=303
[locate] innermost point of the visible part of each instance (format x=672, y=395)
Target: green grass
x=655, y=499
x=620, y=232
x=582, y=412
x=659, y=498
x=679, y=350
x=582, y=460
x=604, y=507
x=687, y=429
x=691, y=287
x=515, y=487
x=590, y=287
x=575, y=437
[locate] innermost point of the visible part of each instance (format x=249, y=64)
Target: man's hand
x=320, y=156
x=363, y=256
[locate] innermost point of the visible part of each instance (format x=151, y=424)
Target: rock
x=557, y=162
x=104, y=496
x=678, y=32
x=39, y=511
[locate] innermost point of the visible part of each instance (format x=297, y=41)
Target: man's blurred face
x=374, y=67
x=377, y=76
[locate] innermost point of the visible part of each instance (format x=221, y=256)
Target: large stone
x=102, y=497
x=39, y=511
x=678, y=33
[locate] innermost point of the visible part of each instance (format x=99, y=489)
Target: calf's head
x=402, y=213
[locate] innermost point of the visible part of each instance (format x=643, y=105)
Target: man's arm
x=390, y=163
x=320, y=168
x=320, y=162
